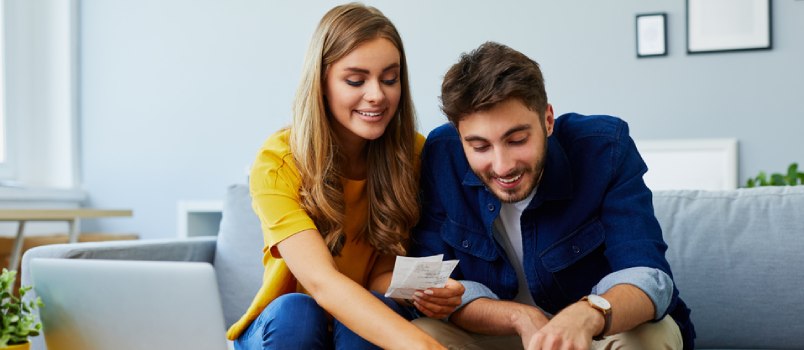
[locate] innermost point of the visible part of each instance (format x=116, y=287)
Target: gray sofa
x=737, y=257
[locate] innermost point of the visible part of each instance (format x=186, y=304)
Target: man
x=550, y=219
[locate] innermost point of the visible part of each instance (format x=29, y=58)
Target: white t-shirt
x=509, y=234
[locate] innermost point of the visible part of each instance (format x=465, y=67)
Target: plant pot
x=23, y=346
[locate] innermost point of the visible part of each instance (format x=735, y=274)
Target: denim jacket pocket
x=574, y=247
x=469, y=241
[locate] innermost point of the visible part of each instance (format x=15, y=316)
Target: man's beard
x=518, y=193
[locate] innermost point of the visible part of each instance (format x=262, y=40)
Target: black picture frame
x=728, y=26
x=651, y=35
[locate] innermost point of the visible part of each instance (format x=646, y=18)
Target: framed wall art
x=651, y=34
x=728, y=25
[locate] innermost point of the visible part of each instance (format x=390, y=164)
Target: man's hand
x=439, y=302
x=527, y=322
x=571, y=329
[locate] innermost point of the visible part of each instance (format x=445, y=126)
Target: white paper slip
x=412, y=274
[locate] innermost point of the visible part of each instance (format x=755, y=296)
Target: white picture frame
x=728, y=25
x=651, y=34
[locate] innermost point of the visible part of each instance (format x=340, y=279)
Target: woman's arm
x=311, y=263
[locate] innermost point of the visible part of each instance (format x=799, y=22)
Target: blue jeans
x=295, y=321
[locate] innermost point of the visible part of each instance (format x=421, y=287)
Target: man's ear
x=549, y=119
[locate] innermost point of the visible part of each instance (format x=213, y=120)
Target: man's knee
x=662, y=335
x=445, y=333
x=455, y=338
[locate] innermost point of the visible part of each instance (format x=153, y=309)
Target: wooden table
x=71, y=216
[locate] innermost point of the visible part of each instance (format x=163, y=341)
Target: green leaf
x=750, y=183
x=777, y=180
x=18, y=319
x=762, y=179
x=792, y=174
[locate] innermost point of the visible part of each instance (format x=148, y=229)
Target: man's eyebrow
x=515, y=129
x=366, y=71
x=472, y=138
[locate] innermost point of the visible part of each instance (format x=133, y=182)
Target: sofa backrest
x=737, y=258
x=238, y=253
x=738, y=261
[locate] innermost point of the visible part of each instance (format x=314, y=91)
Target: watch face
x=599, y=301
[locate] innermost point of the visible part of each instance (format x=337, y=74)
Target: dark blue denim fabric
x=592, y=215
x=295, y=321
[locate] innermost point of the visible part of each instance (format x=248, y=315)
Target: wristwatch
x=600, y=304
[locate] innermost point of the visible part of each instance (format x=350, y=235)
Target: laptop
x=124, y=304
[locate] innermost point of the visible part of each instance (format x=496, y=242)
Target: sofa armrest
x=201, y=249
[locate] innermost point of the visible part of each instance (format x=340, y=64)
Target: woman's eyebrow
x=366, y=71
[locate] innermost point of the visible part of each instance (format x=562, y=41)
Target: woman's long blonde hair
x=392, y=183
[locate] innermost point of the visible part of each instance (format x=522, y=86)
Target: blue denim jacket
x=592, y=215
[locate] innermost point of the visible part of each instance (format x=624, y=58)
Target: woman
x=336, y=194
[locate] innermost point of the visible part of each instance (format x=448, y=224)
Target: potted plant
x=18, y=321
x=792, y=178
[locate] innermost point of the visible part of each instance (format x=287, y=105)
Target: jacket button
x=491, y=207
x=465, y=244
x=575, y=249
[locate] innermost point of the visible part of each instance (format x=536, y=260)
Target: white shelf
x=199, y=218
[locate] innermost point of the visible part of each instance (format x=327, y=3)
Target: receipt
x=412, y=274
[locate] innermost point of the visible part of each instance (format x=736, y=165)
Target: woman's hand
x=439, y=302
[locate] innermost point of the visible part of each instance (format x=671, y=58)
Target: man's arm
x=499, y=317
x=655, y=283
x=630, y=307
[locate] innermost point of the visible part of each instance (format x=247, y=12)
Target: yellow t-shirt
x=274, y=185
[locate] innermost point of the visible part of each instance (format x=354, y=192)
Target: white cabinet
x=690, y=164
x=199, y=218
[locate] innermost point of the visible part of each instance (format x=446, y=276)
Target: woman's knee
x=293, y=301
x=292, y=309
x=403, y=311
x=291, y=321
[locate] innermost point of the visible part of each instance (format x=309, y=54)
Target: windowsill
x=27, y=194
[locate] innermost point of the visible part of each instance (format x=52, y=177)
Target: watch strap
x=606, y=318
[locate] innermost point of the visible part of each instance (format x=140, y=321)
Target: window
x=38, y=101
x=6, y=169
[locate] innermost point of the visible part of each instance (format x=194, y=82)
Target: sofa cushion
x=738, y=262
x=238, y=255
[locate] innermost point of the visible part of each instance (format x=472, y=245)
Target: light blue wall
x=177, y=95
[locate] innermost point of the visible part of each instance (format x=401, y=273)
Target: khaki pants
x=662, y=335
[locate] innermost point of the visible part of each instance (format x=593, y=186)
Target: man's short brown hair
x=488, y=75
